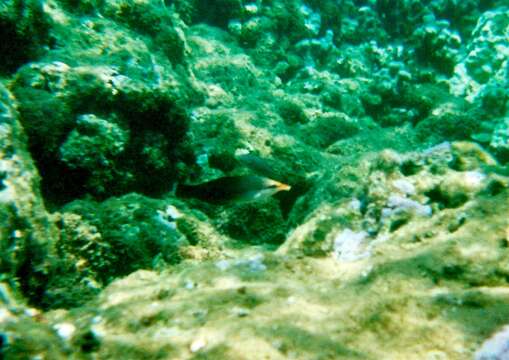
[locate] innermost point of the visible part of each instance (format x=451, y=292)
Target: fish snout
x=278, y=186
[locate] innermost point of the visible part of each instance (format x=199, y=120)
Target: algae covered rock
x=99, y=242
x=256, y=223
x=94, y=146
x=138, y=121
x=218, y=13
x=448, y=122
x=27, y=234
x=406, y=284
x=221, y=63
x=24, y=26
x=133, y=230
x=24, y=334
x=391, y=242
x=107, y=70
x=500, y=140
x=325, y=129
x=393, y=192
x=84, y=260
x=486, y=61
x=92, y=143
x=437, y=45
x=46, y=119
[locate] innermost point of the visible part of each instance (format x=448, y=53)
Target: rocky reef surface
x=388, y=119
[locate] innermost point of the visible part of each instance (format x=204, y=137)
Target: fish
x=258, y=165
x=228, y=189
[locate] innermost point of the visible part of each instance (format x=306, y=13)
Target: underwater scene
x=254, y=179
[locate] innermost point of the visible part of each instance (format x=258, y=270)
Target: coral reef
x=386, y=121
x=486, y=59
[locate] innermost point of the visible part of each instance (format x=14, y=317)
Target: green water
x=228, y=179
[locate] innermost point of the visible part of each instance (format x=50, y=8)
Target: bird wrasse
x=232, y=189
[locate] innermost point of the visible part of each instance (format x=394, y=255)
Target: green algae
x=319, y=346
x=480, y=314
x=388, y=121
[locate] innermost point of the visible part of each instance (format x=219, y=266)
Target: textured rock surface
x=269, y=306
x=103, y=70
x=24, y=26
x=388, y=120
x=27, y=234
x=487, y=55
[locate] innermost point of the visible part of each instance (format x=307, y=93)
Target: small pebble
x=240, y=312
x=5, y=315
x=197, y=345
x=65, y=330
x=31, y=312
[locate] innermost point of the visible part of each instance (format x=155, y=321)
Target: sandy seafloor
x=389, y=120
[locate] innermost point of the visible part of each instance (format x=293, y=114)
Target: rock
x=27, y=235
x=488, y=54
x=124, y=234
x=500, y=140
x=26, y=29
x=437, y=45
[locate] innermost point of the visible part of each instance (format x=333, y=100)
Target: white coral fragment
x=350, y=245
